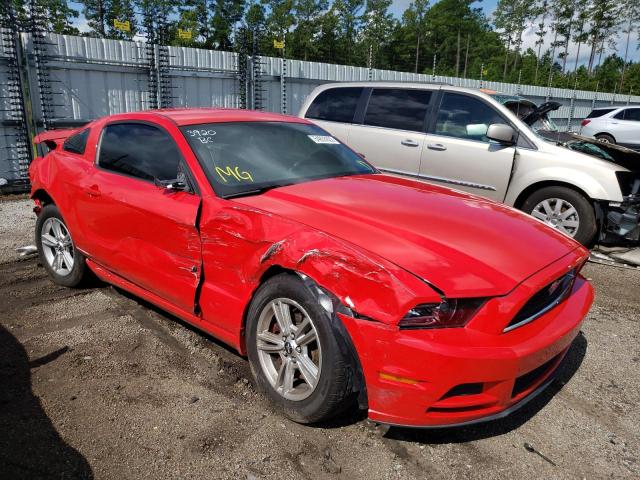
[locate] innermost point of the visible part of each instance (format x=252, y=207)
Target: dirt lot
x=94, y=383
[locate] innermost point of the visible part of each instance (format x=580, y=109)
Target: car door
x=334, y=110
x=457, y=152
x=391, y=135
x=625, y=126
x=141, y=231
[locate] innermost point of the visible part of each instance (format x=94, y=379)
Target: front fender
x=597, y=187
x=239, y=244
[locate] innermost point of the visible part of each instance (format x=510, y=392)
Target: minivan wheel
x=62, y=261
x=563, y=209
x=293, y=353
x=605, y=138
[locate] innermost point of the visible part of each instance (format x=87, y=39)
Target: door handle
x=93, y=191
x=436, y=146
x=409, y=143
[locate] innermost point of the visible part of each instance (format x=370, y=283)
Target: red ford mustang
x=425, y=305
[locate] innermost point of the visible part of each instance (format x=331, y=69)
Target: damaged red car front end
x=432, y=306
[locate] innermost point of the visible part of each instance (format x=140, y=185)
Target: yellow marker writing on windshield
x=235, y=173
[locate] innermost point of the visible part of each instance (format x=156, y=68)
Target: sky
x=489, y=6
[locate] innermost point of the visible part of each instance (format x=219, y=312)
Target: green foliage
x=455, y=33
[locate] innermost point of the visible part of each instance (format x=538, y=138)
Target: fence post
x=595, y=96
x=572, y=105
x=283, y=85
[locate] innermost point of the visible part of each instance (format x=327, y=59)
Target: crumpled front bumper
x=448, y=377
x=620, y=222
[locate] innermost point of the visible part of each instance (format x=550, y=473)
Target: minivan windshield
x=248, y=158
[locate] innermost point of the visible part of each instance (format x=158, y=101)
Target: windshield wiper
x=255, y=191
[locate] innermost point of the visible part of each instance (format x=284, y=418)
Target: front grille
x=543, y=301
x=524, y=382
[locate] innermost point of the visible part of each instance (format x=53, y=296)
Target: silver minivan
x=465, y=139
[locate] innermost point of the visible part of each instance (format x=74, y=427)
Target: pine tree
x=308, y=13
x=122, y=11
x=95, y=11
x=377, y=24
x=604, y=17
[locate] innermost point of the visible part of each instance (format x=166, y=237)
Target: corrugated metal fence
x=70, y=80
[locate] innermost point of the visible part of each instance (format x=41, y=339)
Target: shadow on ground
x=30, y=447
x=567, y=369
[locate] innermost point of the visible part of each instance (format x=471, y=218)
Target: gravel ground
x=95, y=383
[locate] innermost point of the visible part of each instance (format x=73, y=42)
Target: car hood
x=464, y=245
x=625, y=157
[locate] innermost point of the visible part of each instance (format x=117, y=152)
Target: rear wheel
x=564, y=209
x=294, y=356
x=605, y=138
x=63, y=262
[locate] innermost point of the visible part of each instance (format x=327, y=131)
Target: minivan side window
x=466, y=117
x=399, y=108
x=76, y=143
x=335, y=104
x=139, y=150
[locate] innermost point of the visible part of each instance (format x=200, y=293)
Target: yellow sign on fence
x=278, y=44
x=124, y=26
x=184, y=34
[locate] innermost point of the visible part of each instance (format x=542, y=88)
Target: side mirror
x=501, y=133
x=171, y=185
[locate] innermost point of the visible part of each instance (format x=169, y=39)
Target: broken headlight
x=447, y=314
x=629, y=183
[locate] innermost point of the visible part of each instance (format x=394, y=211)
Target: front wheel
x=63, y=262
x=564, y=209
x=293, y=352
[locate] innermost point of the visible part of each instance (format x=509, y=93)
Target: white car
x=466, y=139
x=619, y=125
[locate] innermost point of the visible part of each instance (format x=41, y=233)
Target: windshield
x=544, y=123
x=523, y=108
x=244, y=158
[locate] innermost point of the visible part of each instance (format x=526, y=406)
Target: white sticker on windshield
x=324, y=139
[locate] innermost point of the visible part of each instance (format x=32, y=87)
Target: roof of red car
x=191, y=116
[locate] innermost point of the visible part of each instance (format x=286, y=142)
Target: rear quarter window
x=600, y=112
x=77, y=143
x=335, y=104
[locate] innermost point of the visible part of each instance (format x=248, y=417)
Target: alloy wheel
x=559, y=214
x=289, y=349
x=57, y=246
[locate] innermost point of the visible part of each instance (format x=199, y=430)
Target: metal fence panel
x=72, y=80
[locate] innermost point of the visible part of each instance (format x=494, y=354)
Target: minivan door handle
x=436, y=146
x=409, y=143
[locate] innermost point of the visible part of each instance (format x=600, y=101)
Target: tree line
x=445, y=37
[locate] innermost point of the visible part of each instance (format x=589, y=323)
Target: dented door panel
x=146, y=234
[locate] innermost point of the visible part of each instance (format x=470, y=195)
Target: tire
x=55, y=244
x=605, y=138
x=587, y=226
x=332, y=392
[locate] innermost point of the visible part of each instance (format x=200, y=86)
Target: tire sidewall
x=313, y=407
x=606, y=138
x=588, y=226
x=75, y=277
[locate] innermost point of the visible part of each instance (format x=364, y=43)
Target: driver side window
x=465, y=117
x=139, y=150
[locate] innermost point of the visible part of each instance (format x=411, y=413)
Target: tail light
x=450, y=313
x=585, y=122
